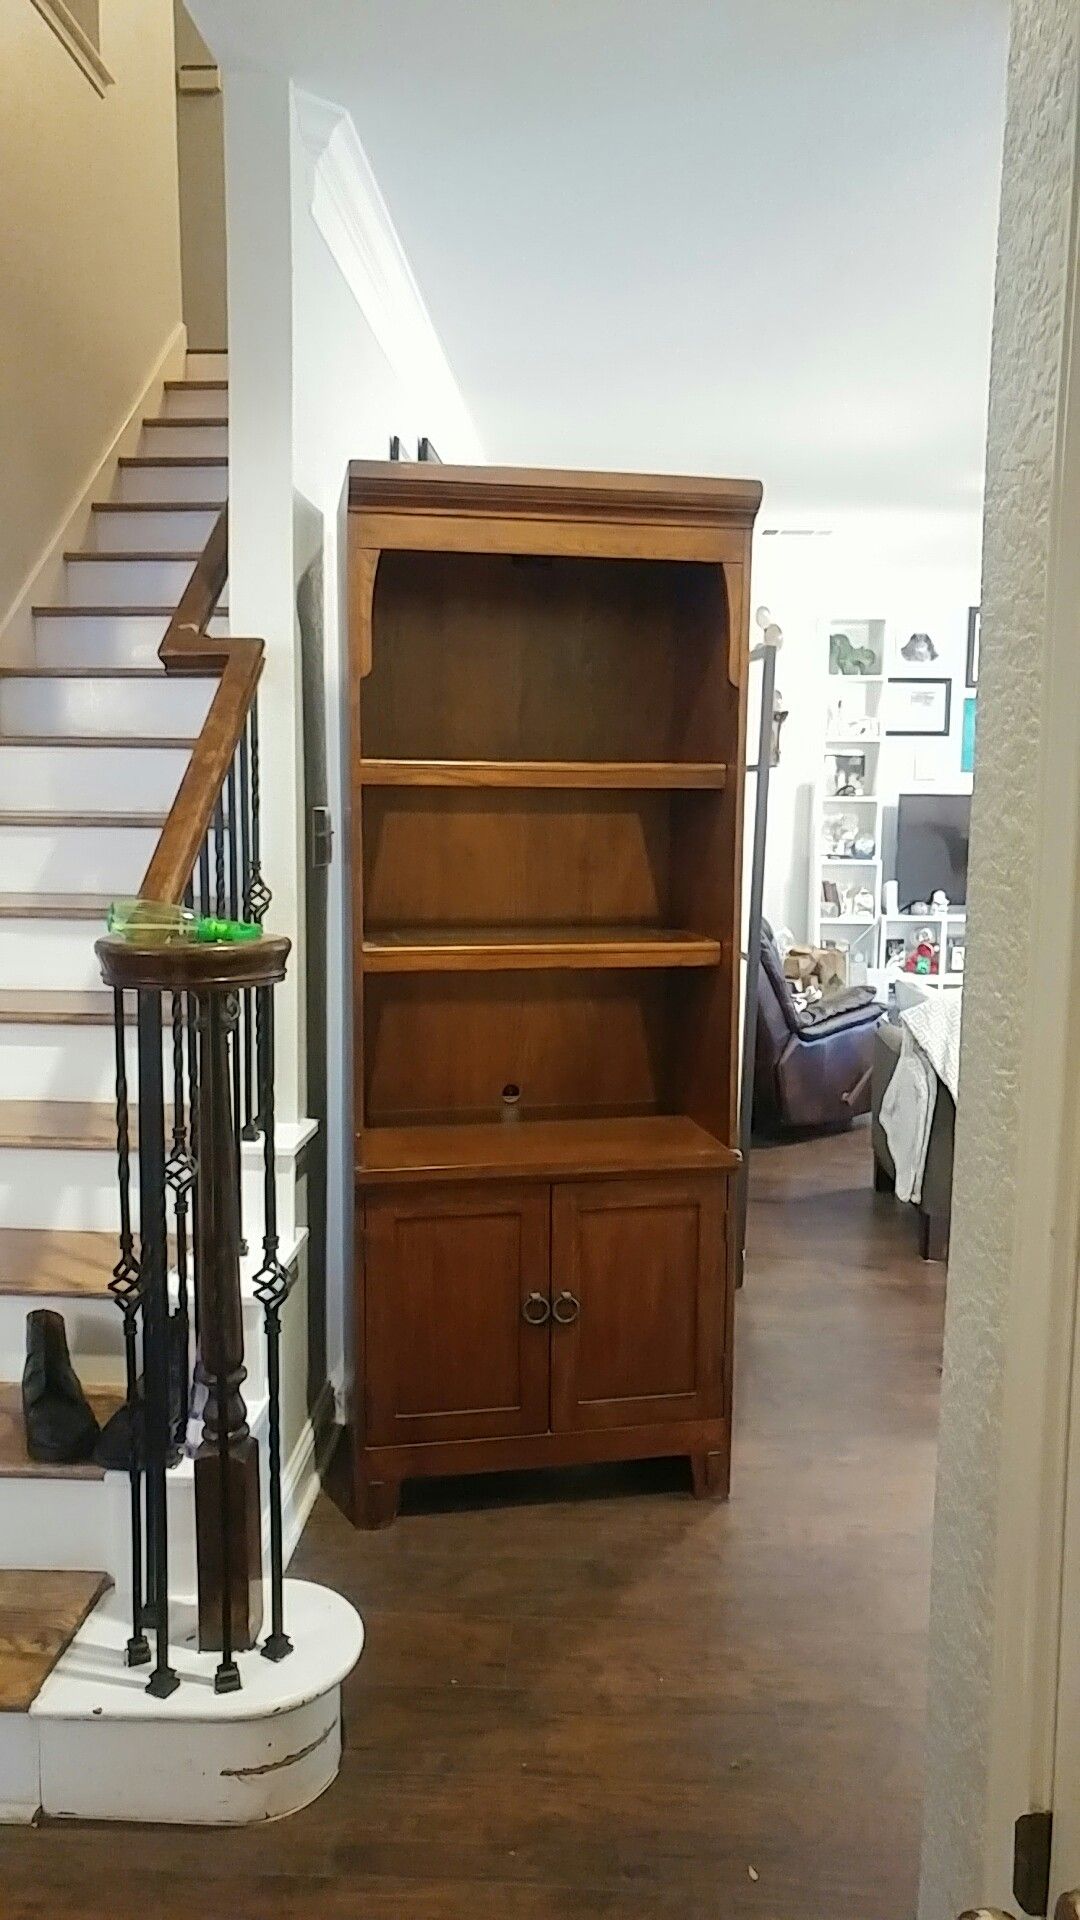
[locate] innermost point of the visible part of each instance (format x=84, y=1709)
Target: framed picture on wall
x=967, y=738
x=971, y=674
x=920, y=707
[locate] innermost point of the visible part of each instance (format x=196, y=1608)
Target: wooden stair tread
x=114, y=740
x=80, y=1124
x=552, y=1149
x=91, y=673
x=173, y=459
x=467, y=949
x=15, y=1462
x=62, y=1006
x=54, y=906
x=542, y=773
x=105, y=613
x=38, y=818
x=196, y=386
x=157, y=506
x=40, y=1614
x=179, y=420
x=50, y=1264
x=126, y=553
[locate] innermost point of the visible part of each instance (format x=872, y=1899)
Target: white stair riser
x=172, y=483
x=55, y=1523
x=73, y=1190
x=51, y=955
x=207, y=366
x=182, y=532
x=46, y=1061
x=104, y=640
x=173, y=706
x=95, y=1336
x=89, y=582
x=184, y=403
x=157, y=439
x=108, y=860
x=63, y=779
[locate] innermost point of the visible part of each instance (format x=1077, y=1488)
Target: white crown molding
x=351, y=215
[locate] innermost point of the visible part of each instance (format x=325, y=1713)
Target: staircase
x=95, y=739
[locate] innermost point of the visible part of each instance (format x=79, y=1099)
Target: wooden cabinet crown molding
x=82, y=47
x=550, y=492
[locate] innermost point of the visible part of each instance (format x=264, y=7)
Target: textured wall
x=1035, y=240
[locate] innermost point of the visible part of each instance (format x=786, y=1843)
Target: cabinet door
x=638, y=1302
x=456, y=1347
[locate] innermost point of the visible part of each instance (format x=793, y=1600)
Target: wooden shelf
x=543, y=773
x=484, y=949
x=540, y=1149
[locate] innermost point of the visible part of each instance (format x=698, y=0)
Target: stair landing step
x=15, y=1462
x=54, y=906
x=40, y=1614
x=45, y=1263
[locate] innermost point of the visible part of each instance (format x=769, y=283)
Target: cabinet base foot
x=711, y=1474
x=376, y=1502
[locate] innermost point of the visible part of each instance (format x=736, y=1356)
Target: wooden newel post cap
x=211, y=967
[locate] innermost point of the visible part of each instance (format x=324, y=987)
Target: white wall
x=366, y=365
x=918, y=575
x=91, y=276
x=1011, y=1298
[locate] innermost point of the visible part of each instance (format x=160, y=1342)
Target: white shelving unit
x=847, y=814
x=948, y=930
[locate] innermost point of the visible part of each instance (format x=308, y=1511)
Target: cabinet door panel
x=450, y=1354
x=638, y=1291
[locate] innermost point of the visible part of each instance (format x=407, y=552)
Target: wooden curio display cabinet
x=547, y=688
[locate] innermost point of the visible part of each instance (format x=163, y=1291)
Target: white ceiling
x=751, y=238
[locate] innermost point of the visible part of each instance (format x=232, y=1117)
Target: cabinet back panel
x=445, y=1046
x=439, y=856
x=481, y=656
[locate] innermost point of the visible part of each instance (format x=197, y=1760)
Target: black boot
x=60, y=1424
x=125, y=1433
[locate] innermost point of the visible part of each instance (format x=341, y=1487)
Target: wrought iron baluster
x=257, y=895
x=235, y=1030
x=126, y=1289
x=251, y=1125
x=219, y=858
x=155, y=1279
x=272, y=1283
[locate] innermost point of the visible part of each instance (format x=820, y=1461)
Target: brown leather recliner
x=811, y=1068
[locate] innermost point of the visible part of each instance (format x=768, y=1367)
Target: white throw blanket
x=929, y=1052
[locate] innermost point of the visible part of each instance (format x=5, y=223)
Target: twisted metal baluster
x=154, y=1266
x=272, y=1284
x=251, y=1124
x=180, y=1179
x=126, y=1289
x=234, y=1026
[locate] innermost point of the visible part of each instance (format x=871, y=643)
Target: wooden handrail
x=188, y=649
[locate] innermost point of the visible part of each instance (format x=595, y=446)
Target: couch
x=935, y=1206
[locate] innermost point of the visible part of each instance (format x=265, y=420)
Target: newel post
x=228, y=1514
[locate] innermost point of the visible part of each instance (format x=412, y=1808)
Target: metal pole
x=766, y=653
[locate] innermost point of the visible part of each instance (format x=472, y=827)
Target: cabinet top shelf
x=484, y=949
x=540, y=1149
x=543, y=773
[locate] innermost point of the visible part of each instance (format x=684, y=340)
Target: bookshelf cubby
x=547, y=682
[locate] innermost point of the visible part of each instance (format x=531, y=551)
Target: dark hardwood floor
x=588, y=1696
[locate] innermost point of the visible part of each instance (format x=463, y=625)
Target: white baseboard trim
x=40, y=585
x=300, y=1483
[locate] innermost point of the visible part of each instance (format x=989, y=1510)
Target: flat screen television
x=932, y=847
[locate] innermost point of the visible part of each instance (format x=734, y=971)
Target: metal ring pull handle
x=566, y=1309
x=535, y=1309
